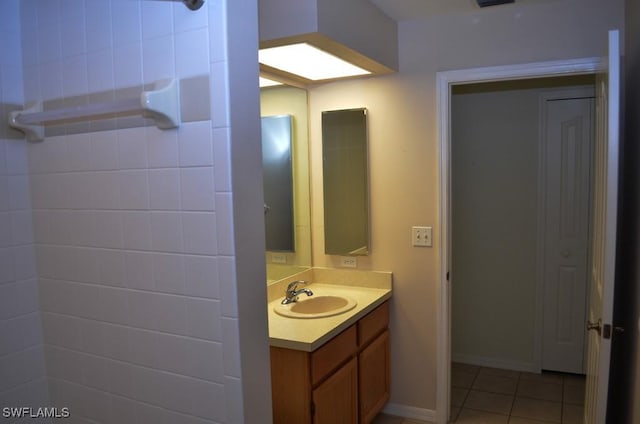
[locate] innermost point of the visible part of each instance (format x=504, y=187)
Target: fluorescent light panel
x=267, y=82
x=309, y=62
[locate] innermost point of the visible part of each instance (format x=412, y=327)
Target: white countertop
x=308, y=334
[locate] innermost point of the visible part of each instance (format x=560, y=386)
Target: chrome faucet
x=292, y=294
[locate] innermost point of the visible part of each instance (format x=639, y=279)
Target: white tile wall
x=133, y=227
x=162, y=147
x=22, y=366
x=126, y=31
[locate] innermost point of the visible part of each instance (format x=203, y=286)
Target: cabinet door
x=290, y=386
x=336, y=400
x=373, y=376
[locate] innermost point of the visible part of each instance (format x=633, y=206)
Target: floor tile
x=518, y=420
x=572, y=414
x=540, y=390
x=462, y=379
x=545, y=377
x=499, y=372
x=574, y=379
x=453, y=414
x=468, y=368
x=495, y=384
x=574, y=394
x=458, y=396
x=529, y=398
x=536, y=409
x=489, y=402
x=469, y=416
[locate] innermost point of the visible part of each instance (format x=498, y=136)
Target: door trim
x=444, y=81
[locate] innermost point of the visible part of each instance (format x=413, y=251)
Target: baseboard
x=412, y=412
x=484, y=361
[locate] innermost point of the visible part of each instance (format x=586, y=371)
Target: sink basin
x=317, y=307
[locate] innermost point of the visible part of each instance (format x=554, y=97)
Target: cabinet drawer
x=373, y=324
x=332, y=354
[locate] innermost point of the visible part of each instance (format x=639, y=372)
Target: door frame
x=444, y=82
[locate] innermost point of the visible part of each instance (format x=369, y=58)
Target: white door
x=568, y=144
x=604, y=235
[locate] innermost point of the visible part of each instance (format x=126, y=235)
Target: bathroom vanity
x=332, y=369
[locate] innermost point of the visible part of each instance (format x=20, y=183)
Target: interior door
x=568, y=144
x=604, y=234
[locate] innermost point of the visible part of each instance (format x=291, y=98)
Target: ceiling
x=402, y=10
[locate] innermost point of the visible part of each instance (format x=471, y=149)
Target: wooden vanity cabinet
x=345, y=381
x=335, y=401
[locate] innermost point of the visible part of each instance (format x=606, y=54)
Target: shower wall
x=133, y=226
x=22, y=371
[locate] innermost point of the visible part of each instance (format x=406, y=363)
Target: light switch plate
x=421, y=236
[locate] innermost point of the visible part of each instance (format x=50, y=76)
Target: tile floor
x=494, y=396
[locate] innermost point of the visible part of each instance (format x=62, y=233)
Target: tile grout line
x=468, y=389
x=562, y=401
x=515, y=393
x=519, y=380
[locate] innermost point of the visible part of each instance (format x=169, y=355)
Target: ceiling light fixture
x=308, y=62
x=268, y=82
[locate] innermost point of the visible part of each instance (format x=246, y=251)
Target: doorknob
x=595, y=326
x=566, y=253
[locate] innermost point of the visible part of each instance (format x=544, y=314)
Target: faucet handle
x=294, y=285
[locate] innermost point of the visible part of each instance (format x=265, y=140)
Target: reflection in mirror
x=278, y=182
x=346, y=196
x=292, y=101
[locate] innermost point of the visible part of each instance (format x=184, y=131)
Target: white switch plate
x=348, y=261
x=421, y=236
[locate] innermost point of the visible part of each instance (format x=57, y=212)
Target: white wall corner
x=411, y=412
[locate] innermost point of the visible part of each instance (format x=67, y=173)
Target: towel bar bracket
x=162, y=104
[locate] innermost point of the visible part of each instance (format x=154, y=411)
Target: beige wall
x=404, y=158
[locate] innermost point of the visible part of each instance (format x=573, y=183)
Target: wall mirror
x=345, y=182
x=277, y=175
x=287, y=199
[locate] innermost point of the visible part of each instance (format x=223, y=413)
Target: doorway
x=445, y=81
x=520, y=192
x=520, y=162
